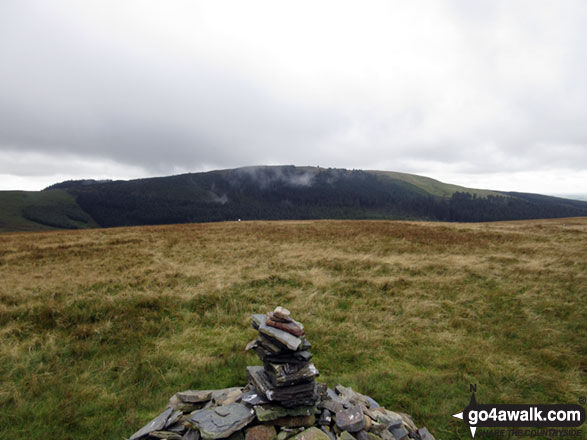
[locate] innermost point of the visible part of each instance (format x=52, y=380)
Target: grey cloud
x=66, y=91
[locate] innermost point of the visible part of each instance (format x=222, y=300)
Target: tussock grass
x=98, y=328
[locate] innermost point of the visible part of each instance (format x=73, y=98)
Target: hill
x=41, y=210
x=98, y=329
x=278, y=193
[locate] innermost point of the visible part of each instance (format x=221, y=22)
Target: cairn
x=287, y=375
x=282, y=400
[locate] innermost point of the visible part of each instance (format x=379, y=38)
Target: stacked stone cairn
x=282, y=400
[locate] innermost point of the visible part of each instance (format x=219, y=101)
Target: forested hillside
x=279, y=193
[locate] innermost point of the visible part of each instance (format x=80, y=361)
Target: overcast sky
x=488, y=94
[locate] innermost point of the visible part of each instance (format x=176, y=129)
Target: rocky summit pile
x=282, y=400
x=287, y=375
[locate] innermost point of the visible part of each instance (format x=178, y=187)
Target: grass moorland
x=98, y=328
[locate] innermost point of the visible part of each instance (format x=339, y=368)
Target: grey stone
x=297, y=395
x=351, y=419
x=290, y=341
x=361, y=435
x=222, y=421
x=157, y=424
x=345, y=435
x=165, y=435
x=407, y=420
x=226, y=395
x=399, y=432
x=194, y=396
x=173, y=418
x=286, y=433
x=295, y=421
x=178, y=427
x=258, y=320
x=282, y=313
x=372, y=403
x=312, y=433
x=425, y=434
x=386, y=417
x=331, y=405
x=254, y=397
x=266, y=413
x=191, y=434
x=325, y=418
x=184, y=407
x=330, y=435
x=290, y=374
x=387, y=435
x=237, y=436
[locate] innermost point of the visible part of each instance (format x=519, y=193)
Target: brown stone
x=261, y=432
x=295, y=421
x=282, y=313
x=289, y=327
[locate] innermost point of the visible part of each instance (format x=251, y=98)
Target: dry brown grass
x=99, y=327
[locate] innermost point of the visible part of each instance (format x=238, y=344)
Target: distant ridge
x=269, y=193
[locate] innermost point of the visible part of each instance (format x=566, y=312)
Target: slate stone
x=191, y=434
x=290, y=341
x=331, y=405
x=377, y=428
x=387, y=435
x=325, y=418
x=227, y=395
x=270, y=344
x=254, y=397
x=289, y=327
x=266, y=413
x=285, y=356
x=184, y=407
x=312, y=434
x=297, y=395
x=282, y=313
x=345, y=435
x=407, y=420
x=165, y=435
x=157, y=424
x=349, y=395
x=368, y=419
x=238, y=435
x=330, y=435
x=361, y=435
x=178, y=427
x=173, y=418
x=258, y=319
x=194, y=396
x=286, y=433
x=351, y=419
x=222, y=421
x=371, y=436
x=387, y=418
x=425, y=434
x=399, y=432
x=372, y=403
x=261, y=432
x=286, y=374
x=295, y=421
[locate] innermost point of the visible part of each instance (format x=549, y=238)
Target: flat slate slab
x=157, y=424
x=271, y=412
x=351, y=420
x=222, y=421
x=312, y=434
x=290, y=341
x=194, y=396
